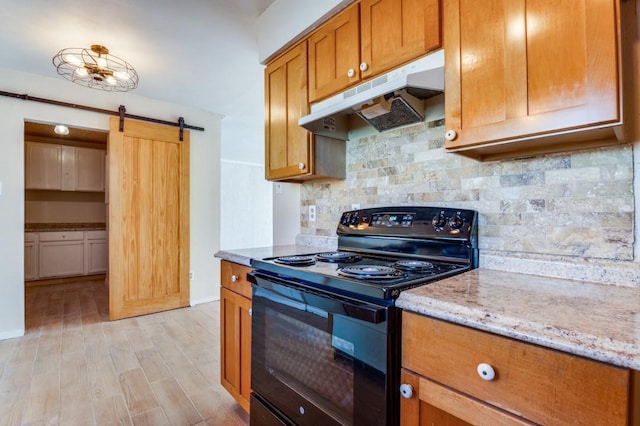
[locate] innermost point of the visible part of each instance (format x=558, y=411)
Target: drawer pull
x=486, y=372
x=235, y=278
x=406, y=390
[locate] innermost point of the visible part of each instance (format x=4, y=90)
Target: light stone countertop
x=597, y=321
x=60, y=227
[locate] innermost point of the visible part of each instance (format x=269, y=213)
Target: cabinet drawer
x=96, y=235
x=542, y=385
x=234, y=277
x=62, y=236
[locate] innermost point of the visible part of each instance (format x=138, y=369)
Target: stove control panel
x=392, y=219
x=410, y=221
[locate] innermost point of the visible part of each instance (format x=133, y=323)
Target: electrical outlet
x=190, y=275
x=355, y=206
x=312, y=213
x=278, y=188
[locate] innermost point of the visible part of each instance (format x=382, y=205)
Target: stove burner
x=296, y=260
x=414, y=265
x=371, y=272
x=337, y=256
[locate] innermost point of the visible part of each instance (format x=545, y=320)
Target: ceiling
x=198, y=53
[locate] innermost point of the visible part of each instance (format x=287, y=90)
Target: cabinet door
x=288, y=146
x=396, y=31
x=42, y=168
x=334, y=55
x=235, y=363
x=30, y=256
x=424, y=402
x=68, y=176
x=61, y=258
x=89, y=169
x=525, y=68
x=96, y=252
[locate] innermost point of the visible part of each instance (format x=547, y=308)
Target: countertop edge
x=599, y=348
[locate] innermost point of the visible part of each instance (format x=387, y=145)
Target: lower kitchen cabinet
x=96, y=248
x=456, y=375
x=235, y=332
x=65, y=254
x=60, y=254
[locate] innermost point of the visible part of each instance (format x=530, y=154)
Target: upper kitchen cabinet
x=293, y=153
x=65, y=168
x=369, y=38
x=531, y=76
x=288, y=146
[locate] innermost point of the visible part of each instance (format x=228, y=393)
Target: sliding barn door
x=148, y=219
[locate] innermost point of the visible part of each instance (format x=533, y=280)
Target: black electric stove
x=325, y=336
x=382, y=251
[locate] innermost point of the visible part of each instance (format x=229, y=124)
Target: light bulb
x=121, y=75
x=72, y=59
x=61, y=129
x=112, y=81
x=102, y=62
x=81, y=72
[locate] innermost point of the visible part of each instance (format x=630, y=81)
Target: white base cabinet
x=65, y=254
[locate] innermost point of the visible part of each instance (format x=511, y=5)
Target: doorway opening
x=66, y=194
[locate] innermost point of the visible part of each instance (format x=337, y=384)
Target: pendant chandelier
x=95, y=68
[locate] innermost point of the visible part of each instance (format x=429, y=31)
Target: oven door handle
x=338, y=304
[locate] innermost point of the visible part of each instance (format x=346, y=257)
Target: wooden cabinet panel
x=235, y=320
x=42, y=166
x=396, y=31
x=369, y=38
x=234, y=278
x=288, y=146
x=334, y=54
x=235, y=331
x=434, y=404
x=539, y=384
x=526, y=69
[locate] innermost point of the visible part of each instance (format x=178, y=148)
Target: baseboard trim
x=4, y=335
x=203, y=300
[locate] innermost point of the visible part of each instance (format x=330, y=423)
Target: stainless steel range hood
x=391, y=100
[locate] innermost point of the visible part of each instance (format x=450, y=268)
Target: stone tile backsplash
x=578, y=204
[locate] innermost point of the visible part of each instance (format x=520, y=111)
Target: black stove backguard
x=326, y=340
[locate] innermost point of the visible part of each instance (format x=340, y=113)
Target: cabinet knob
x=235, y=278
x=486, y=372
x=351, y=73
x=364, y=66
x=406, y=390
x=301, y=166
x=450, y=135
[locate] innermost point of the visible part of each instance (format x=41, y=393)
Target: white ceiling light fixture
x=61, y=129
x=96, y=69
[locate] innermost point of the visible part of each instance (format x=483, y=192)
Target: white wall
x=247, y=216
x=205, y=177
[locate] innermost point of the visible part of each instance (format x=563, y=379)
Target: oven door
x=318, y=358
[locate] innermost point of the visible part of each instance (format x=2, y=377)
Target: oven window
x=308, y=362
x=303, y=358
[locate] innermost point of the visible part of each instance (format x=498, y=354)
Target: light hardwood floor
x=74, y=367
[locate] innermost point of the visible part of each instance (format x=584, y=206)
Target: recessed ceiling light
x=61, y=129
